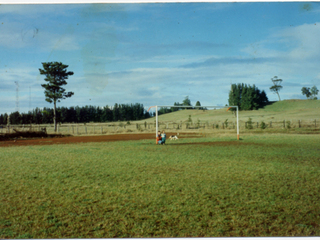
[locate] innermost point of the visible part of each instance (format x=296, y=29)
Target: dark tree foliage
x=55, y=76
x=247, y=97
x=314, y=91
x=164, y=110
x=187, y=102
x=86, y=114
x=15, y=118
x=310, y=93
x=2, y=121
x=173, y=109
x=306, y=91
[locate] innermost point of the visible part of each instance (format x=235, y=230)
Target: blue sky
x=157, y=53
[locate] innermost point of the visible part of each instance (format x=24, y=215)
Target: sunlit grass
x=259, y=186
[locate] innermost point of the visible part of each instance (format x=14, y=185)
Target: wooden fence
x=105, y=128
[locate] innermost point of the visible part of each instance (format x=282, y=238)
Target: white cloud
x=301, y=41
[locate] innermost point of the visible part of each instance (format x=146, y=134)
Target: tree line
x=247, y=97
x=85, y=114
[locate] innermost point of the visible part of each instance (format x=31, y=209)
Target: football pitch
x=263, y=185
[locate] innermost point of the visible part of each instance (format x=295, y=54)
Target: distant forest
x=86, y=114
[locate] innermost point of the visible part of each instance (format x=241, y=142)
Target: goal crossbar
x=229, y=107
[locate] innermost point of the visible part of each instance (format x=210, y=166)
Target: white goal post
x=229, y=107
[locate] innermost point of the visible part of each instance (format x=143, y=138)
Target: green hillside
x=278, y=111
x=289, y=105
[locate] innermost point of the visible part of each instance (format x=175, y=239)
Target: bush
x=263, y=125
x=249, y=124
x=288, y=124
x=226, y=123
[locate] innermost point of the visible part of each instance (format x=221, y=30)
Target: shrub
x=288, y=124
x=263, y=125
x=249, y=124
x=226, y=123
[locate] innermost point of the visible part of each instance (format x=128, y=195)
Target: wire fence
x=110, y=128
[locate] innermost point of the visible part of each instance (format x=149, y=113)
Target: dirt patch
x=84, y=139
x=75, y=139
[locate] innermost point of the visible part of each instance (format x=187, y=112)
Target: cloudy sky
x=157, y=53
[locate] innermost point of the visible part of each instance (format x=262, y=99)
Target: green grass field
x=265, y=185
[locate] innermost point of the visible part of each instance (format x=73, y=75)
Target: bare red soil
x=78, y=139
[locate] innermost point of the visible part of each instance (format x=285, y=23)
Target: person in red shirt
x=159, y=138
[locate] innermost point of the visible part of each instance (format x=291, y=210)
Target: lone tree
x=187, y=102
x=198, y=104
x=314, y=91
x=306, y=91
x=56, y=75
x=276, y=85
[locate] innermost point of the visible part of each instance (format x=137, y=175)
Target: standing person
x=159, y=139
x=163, y=137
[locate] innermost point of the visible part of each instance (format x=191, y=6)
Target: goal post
x=228, y=108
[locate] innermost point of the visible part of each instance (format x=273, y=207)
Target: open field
x=263, y=185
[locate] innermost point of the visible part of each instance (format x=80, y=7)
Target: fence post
x=101, y=130
x=72, y=130
x=299, y=123
x=85, y=128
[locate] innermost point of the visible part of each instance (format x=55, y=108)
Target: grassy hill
x=292, y=110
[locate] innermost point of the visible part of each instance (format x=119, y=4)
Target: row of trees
x=247, y=97
x=119, y=112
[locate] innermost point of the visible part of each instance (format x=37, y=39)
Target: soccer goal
x=220, y=107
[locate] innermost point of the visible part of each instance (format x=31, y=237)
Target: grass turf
x=265, y=185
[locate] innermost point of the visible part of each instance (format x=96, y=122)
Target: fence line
x=88, y=129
